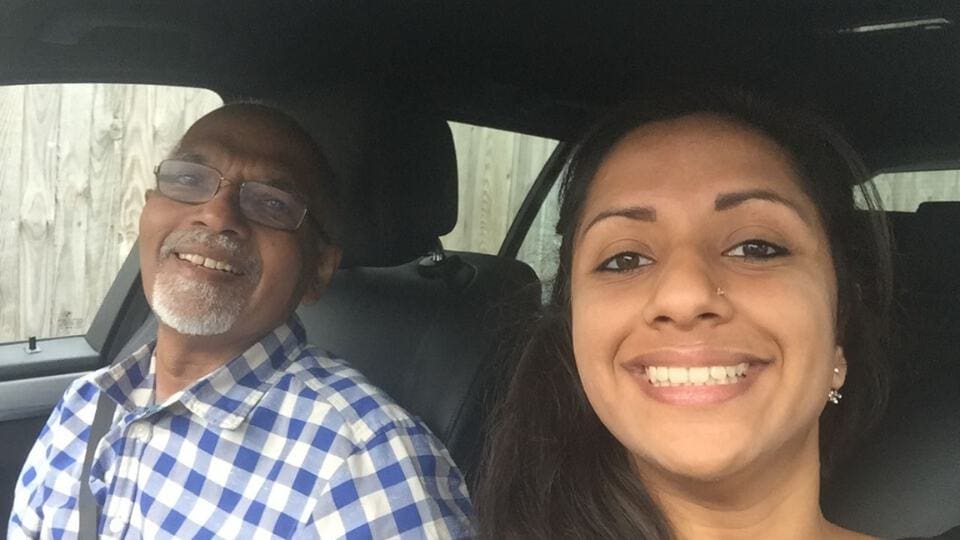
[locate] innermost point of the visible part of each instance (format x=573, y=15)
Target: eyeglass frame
x=221, y=179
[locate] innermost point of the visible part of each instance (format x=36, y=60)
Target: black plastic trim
x=534, y=200
x=122, y=312
x=29, y=398
x=52, y=357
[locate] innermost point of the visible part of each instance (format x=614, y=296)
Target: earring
x=834, y=396
x=720, y=291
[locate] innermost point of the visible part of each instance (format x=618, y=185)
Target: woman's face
x=700, y=264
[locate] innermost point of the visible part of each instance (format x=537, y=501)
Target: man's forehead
x=256, y=140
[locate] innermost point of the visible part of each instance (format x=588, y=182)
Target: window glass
x=904, y=191
x=75, y=162
x=541, y=245
x=496, y=169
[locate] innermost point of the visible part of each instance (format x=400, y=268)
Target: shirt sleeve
x=50, y=463
x=400, y=484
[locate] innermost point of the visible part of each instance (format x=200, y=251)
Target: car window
x=496, y=169
x=904, y=191
x=75, y=162
x=542, y=243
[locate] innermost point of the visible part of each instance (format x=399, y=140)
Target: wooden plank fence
x=75, y=162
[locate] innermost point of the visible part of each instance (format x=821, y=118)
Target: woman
x=716, y=290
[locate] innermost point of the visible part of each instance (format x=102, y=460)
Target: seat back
x=905, y=478
x=422, y=325
x=429, y=336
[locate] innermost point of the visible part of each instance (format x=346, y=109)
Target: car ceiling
x=541, y=67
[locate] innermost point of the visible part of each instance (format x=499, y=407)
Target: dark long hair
x=551, y=469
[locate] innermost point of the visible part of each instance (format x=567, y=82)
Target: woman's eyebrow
x=727, y=201
x=637, y=213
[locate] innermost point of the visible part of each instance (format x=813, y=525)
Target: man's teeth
x=696, y=376
x=207, y=262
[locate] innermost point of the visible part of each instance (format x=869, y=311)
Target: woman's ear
x=327, y=262
x=839, y=369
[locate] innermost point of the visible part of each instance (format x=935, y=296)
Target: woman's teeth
x=207, y=262
x=696, y=376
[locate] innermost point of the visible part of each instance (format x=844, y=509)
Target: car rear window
x=75, y=162
x=905, y=191
x=496, y=169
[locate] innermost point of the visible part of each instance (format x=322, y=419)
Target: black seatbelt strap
x=86, y=503
x=102, y=420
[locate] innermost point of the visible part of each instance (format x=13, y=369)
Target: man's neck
x=775, y=500
x=182, y=360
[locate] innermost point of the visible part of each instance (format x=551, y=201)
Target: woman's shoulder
x=952, y=534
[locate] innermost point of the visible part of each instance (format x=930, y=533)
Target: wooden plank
x=11, y=122
x=37, y=211
x=177, y=108
x=104, y=171
x=72, y=309
x=169, y=119
x=77, y=160
x=137, y=168
x=496, y=169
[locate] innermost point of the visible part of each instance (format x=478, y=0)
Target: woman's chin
x=695, y=466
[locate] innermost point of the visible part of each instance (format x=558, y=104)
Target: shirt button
x=140, y=432
x=116, y=525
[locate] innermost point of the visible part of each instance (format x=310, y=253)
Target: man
x=230, y=425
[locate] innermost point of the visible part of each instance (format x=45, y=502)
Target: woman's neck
x=776, y=499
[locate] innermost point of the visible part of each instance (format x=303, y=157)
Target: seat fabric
x=429, y=337
x=904, y=479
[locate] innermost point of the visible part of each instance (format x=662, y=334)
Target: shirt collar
x=224, y=397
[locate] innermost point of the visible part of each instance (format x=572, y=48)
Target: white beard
x=196, y=308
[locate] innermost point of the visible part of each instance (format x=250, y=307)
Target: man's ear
x=327, y=262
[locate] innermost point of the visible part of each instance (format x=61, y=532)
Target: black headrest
x=904, y=479
x=396, y=171
x=937, y=230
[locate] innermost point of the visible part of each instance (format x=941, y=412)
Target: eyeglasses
x=194, y=183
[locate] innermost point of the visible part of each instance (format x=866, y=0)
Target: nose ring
x=720, y=291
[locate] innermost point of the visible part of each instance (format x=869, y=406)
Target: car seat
x=424, y=325
x=904, y=479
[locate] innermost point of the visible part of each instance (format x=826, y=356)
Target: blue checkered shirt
x=280, y=442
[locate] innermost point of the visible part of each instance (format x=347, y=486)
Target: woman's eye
x=756, y=249
x=624, y=262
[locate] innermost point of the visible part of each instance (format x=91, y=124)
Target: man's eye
x=187, y=180
x=624, y=262
x=274, y=204
x=756, y=249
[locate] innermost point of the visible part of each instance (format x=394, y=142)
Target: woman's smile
x=695, y=376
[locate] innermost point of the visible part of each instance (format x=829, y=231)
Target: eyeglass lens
x=194, y=183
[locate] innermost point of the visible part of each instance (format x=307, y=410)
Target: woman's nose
x=686, y=293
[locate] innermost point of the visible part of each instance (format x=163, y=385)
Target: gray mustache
x=239, y=252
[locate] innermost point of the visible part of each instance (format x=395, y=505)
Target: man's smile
x=207, y=262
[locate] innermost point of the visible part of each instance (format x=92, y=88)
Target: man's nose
x=686, y=293
x=222, y=213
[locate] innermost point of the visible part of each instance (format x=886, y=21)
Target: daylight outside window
x=75, y=163
x=496, y=169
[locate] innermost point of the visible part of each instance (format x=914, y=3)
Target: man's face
x=206, y=268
